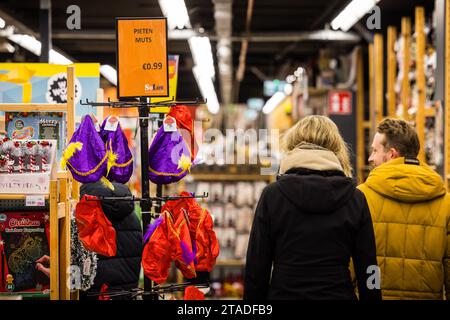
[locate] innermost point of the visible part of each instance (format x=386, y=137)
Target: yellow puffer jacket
x=411, y=215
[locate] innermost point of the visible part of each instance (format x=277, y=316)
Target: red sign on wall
x=339, y=102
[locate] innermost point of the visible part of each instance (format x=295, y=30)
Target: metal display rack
x=146, y=108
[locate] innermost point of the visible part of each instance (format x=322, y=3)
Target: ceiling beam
x=290, y=36
x=223, y=15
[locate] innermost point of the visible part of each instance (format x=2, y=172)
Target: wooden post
x=406, y=36
x=100, y=96
x=447, y=95
x=378, y=76
x=420, y=79
x=391, y=72
x=70, y=101
x=360, y=115
x=64, y=236
x=372, y=118
x=71, y=120
x=54, y=241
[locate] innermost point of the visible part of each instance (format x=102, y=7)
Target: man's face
x=380, y=154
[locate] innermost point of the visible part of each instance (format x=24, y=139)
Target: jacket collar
x=405, y=181
x=310, y=156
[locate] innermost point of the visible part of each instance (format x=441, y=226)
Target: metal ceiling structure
x=252, y=40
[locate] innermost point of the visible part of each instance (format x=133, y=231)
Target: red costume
x=184, y=234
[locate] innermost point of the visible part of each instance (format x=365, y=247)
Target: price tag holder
x=35, y=201
x=112, y=123
x=170, y=124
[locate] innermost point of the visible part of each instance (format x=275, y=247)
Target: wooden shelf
x=229, y=177
x=430, y=112
x=313, y=91
x=224, y=298
x=62, y=175
x=17, y=196
x=25, y=294
x=230, y=262
x=33, y=107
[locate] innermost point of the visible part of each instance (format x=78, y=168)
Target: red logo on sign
x=340, y=102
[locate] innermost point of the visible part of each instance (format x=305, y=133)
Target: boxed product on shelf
x=245, y=194
x=230, y=215
x=217, y=214
x=244, y=220
x=229, y=192
x=24, y=242
x=216, y=192
x=26, y=167
x=203, y=187
x=33, y=126
x=241, y=246
x=258, y=187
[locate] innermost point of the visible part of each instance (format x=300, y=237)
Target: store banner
x=47, y=83
x=142, y=57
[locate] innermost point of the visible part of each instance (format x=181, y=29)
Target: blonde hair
x=321, y=131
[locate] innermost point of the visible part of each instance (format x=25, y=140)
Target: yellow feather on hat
x=69, y=152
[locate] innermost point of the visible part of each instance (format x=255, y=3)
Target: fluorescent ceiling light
x=352, y=13
x=33, y=45
x=202, y=55
x=28, y=42
x=176, y=13
x=109, y=73
x=204, y=70
x=57, y=58
x=273, y=102
x=207, y=90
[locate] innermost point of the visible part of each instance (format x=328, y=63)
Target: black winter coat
x=307, y=226
x=121, y=271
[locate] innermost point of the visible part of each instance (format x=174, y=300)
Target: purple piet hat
x=120, y=159
x=170, y=157
x=85, y=155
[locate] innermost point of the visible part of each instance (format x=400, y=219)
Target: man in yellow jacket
x=410, y=211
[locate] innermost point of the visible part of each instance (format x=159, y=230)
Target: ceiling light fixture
x=176, y=13
x=207, y=90
x=33, y=45
x=204, y=70
x=109, y=73
x=352, y=13
x=273, y=102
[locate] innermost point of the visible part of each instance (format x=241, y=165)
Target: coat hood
x=406, y=182
x=309, y=156
x=313, y=180
x=114, y=210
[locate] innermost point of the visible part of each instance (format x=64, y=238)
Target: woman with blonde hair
x=310, y=222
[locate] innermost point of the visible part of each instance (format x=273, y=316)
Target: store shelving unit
x=447, y=95
x=398, y=104
x=59, y=199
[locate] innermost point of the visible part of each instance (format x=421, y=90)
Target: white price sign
x=35, y=201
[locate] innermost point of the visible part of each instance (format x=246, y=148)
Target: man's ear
x=394, y=153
